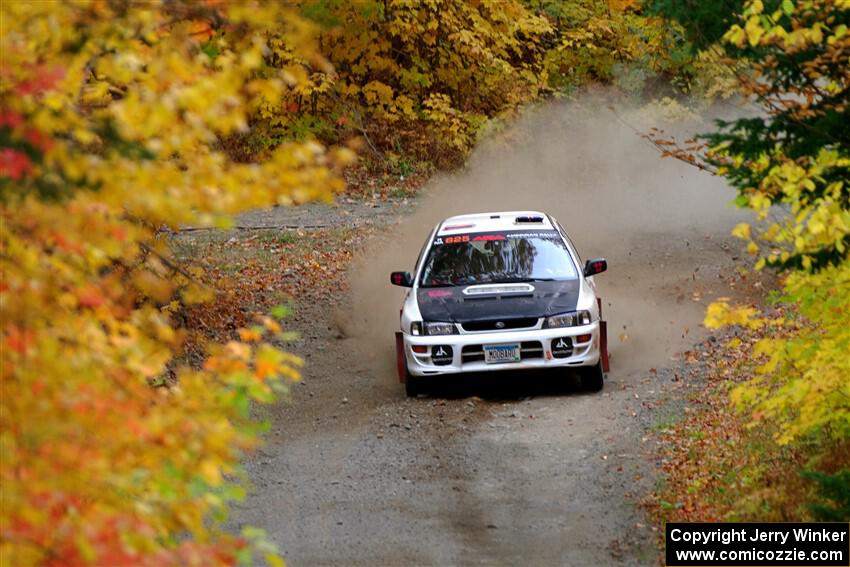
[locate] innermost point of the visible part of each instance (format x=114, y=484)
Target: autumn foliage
x=422, y=81
x=796, y=155
x=112, y=453
x=791, y=166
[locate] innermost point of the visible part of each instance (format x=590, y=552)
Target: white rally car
x=500, y=291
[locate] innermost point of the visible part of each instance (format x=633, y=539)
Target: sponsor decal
x=439, y=293
x=441, y=354
x=547, y=234
x=485, y=237
x=562, y=347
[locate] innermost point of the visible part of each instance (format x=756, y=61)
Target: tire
x=413, y=385
x=592, y=378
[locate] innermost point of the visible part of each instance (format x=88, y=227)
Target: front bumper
x=535, y=350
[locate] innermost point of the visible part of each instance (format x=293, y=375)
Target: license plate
x=495, y=354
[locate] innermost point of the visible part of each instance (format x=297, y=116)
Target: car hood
x=540, y=299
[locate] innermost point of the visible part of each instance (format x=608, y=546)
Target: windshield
x=497, y=257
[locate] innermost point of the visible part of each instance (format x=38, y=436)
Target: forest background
x=124, y=419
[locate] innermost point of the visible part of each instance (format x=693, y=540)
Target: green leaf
x=280, y=311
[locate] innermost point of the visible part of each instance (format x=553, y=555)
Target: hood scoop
x=489, y=290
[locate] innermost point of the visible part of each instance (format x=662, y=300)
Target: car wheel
x=592, y=379
x=412, y=385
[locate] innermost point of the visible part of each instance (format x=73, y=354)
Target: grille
x=490, y=325
x=527, y=350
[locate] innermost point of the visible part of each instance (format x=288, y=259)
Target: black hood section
x=451, y=305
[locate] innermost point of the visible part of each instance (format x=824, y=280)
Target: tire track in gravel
x=510, y=469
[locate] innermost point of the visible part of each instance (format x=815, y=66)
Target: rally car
x=500, y=291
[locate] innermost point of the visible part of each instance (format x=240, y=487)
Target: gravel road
x=509, y=469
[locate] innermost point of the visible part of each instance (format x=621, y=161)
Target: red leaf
x=43, y=80
x=19, y=340
x=90, y=296
x=39, y=140
x=10, y=118
x=14, y=164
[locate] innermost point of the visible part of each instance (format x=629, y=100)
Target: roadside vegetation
x=130, y=357
x=771, y=440
x=418, y=84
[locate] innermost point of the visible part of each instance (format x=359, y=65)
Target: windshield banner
x=493, y=236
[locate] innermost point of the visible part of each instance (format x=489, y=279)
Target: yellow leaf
x=754, y=30
x=210, y=472
x=742, y=231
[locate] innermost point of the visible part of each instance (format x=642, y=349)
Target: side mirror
x=404, y=279
x=595, y=266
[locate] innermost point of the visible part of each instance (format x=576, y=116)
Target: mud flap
x=603, y=345
x=603, y=338
x=401, y=363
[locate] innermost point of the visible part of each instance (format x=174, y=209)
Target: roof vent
x=528, y=219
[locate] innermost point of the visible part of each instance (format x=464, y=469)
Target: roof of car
x=505, y=220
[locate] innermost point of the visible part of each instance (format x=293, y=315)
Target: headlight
x=574, y=319
x=418, y=328
x=439, y=328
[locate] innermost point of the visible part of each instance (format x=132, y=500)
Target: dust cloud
x=661, y=224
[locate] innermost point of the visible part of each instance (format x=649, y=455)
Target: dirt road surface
x=509, y=469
